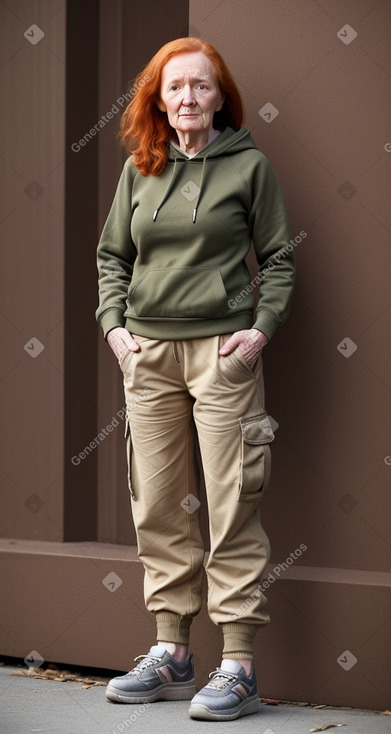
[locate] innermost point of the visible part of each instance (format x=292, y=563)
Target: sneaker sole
x=165, y=692
x=200, y=711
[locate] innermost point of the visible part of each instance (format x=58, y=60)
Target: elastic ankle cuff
x=239, y=640
x=173, y=627
x=238, y=655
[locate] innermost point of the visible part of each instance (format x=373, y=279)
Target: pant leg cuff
x=172, y=627
x=239, y=640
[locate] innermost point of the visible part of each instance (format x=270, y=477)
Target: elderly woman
x=176, y=306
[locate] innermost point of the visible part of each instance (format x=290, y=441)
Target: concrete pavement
x=31, y=705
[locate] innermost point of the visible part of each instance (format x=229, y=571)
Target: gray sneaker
x=230, y=694
x=158, y=676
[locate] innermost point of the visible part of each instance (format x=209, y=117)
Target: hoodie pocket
x=255, y=462
x=191, y=293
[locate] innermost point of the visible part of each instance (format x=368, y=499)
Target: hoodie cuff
x=267, y=322
x=110, y=320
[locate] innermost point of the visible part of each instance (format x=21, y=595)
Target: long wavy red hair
x=144, y=129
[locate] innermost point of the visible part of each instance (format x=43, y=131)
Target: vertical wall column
x=130, y=34
x=81, y=207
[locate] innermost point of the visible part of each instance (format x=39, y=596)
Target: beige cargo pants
x=173, y=390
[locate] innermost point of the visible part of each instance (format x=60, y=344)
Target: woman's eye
x=174, y=88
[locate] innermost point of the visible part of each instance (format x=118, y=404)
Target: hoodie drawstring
x=168, y=189
x=199, y=192
x=171, y=184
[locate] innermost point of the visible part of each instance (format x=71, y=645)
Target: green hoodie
x=171, y=257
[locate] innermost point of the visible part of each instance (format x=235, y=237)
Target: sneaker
x=158, y=676
x=230, y=694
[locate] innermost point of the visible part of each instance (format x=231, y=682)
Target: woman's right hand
x=120, y=340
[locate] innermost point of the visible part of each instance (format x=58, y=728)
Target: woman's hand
x=121, y=340
x=250, y=343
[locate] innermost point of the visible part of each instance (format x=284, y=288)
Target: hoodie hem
x=187, y=329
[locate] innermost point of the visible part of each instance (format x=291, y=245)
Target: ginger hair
x=145, y=130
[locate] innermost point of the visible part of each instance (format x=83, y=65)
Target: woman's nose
x=188, y=97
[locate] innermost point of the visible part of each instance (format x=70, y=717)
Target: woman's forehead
x=194, y=64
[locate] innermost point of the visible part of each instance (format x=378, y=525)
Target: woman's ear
x=161, y=105
x=219, y=106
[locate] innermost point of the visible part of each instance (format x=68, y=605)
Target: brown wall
x=32, y=143
x=331, y=479
x=330, y=148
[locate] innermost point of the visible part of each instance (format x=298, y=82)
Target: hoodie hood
x=226, y=143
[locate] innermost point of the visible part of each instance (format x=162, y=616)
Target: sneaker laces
x=145, y=662
x=220, y=679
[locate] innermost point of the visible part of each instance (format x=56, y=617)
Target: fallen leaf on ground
x=60, y=677
x=269, y=701
x=386, y=712
x=326, y=726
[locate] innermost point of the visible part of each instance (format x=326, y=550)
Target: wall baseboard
x=82, y=604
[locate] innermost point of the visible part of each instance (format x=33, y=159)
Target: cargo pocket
x=255, y=460
x=129, y=451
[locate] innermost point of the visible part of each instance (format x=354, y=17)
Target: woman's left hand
x=250, y=343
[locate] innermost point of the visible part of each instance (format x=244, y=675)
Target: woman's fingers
x=233, y=342
x=251, y=347
x=250, y=343
x=120, y=340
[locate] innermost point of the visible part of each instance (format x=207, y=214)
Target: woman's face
x=190, y=93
